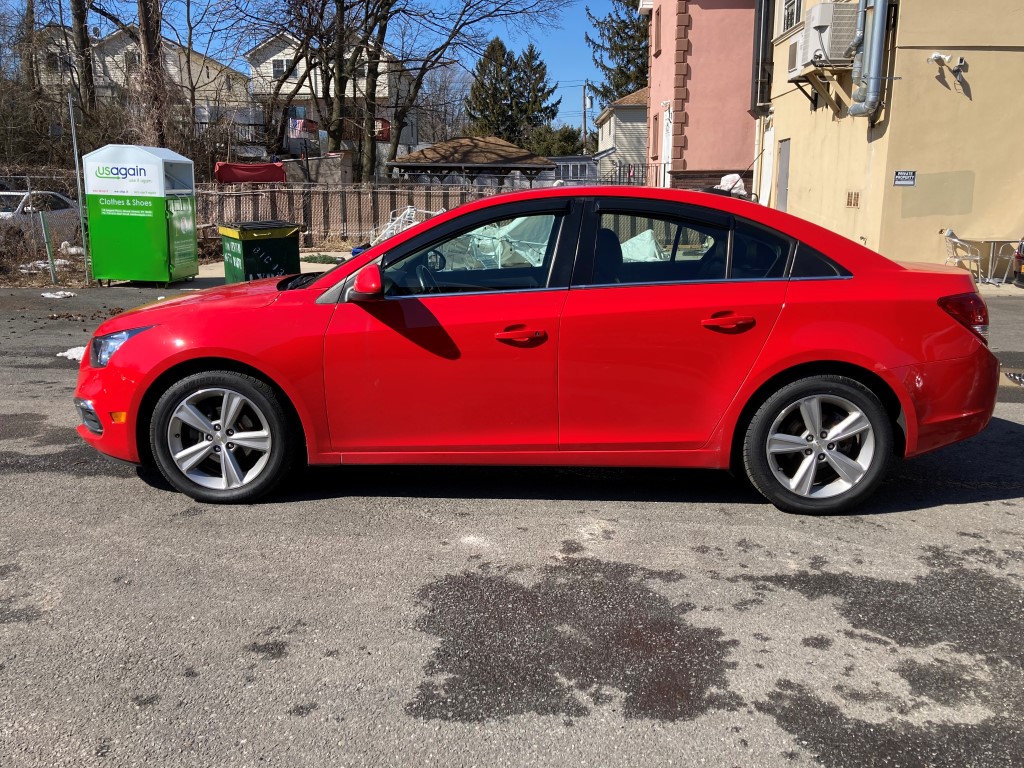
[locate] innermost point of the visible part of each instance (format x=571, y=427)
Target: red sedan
x=587, y=327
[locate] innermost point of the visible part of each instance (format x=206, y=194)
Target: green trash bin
x=257, y=249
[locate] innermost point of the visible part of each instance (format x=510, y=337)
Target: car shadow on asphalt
x=986, y=468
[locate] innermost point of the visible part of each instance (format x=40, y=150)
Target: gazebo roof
x=473, y=156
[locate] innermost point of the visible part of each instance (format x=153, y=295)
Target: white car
x=20, y=209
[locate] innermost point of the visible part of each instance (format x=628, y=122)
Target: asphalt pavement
x=490, y=616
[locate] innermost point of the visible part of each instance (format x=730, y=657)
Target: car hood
x=254, y=295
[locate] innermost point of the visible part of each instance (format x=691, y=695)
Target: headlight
x=102, y=347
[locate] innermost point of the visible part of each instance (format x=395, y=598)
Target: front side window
x=508, y=254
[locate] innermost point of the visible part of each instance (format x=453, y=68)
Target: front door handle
x=522, y=334
x=727, y=321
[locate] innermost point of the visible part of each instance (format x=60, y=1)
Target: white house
x=622, y=140
x=278, y=59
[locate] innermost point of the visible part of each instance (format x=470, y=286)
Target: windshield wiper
x=303, y=280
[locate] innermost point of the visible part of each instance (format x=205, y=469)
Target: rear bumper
x=952, y=399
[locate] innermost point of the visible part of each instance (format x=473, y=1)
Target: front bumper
x=103, y=398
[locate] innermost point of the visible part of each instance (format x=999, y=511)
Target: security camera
x=940, y=59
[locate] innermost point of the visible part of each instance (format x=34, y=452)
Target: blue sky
x=568, y=57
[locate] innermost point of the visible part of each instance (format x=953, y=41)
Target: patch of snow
x=38, y=266
x=58, y=295
x=75, y=353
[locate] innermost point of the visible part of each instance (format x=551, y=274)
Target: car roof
x=832, y=244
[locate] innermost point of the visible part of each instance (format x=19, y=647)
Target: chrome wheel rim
x=820, y=446
x=219, y=439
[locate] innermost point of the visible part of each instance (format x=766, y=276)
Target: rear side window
x=810, y=263
x=758, y=254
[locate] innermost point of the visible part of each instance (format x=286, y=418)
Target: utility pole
x=584, y=134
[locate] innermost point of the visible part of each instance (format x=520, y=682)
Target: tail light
x=970, y=310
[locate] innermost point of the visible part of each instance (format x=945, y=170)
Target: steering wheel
x=428, y=283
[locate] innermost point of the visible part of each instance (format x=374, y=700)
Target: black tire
x=217, y=462
x=835, y=468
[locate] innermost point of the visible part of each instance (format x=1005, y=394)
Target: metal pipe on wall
x=876, y=54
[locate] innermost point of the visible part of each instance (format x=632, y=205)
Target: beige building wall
x=960, y=137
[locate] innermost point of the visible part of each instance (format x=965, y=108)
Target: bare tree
x=83, y=54
x=441, y=111
x=445, y=32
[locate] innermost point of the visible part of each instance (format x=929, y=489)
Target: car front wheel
x=819, y=445
x=221, y=436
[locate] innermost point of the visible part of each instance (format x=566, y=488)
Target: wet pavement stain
x=958, y=607
x=77, y=460
x=840, y=741
x=588, y=633
x=14, y=426
x=270, y=651
x=819, y=642
x=570, y=547
x=952, y=604
x=6, y=569
x=12, y=613
x=302, y=710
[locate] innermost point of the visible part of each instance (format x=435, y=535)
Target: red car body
x=657, y=375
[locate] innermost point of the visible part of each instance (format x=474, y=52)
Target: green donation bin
x=258, y=249
x=141, y=203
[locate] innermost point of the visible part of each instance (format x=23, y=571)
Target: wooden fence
x=328, y=215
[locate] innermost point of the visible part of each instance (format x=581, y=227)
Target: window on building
x=655, y=136
x=281, y=66
x=790, y=14
x=132, y=61
x=657, y=30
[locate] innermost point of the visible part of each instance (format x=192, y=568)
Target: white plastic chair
x=962, y=253
x=1009, y=252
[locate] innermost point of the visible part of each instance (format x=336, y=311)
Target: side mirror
x=368, y=285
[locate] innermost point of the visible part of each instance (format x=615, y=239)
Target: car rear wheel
x=222, y=437
x=821, y=444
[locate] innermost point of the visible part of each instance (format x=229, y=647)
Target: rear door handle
x=521, y=334
x=728, y=322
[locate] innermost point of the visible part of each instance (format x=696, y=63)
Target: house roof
x=636, y=99
x=173, y=45
x=473, y=155
x=288, y=37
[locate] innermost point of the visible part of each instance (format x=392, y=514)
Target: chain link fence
x=40, y=226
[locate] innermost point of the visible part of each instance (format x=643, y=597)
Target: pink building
x=699, y=124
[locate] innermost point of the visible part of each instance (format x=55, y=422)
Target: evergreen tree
x=546, y=141
x=510, y=96
x=532, y=90
x=620, y=51
x=489, y=105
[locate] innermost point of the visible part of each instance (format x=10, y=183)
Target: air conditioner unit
x=828, y=31
x=829, y=28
